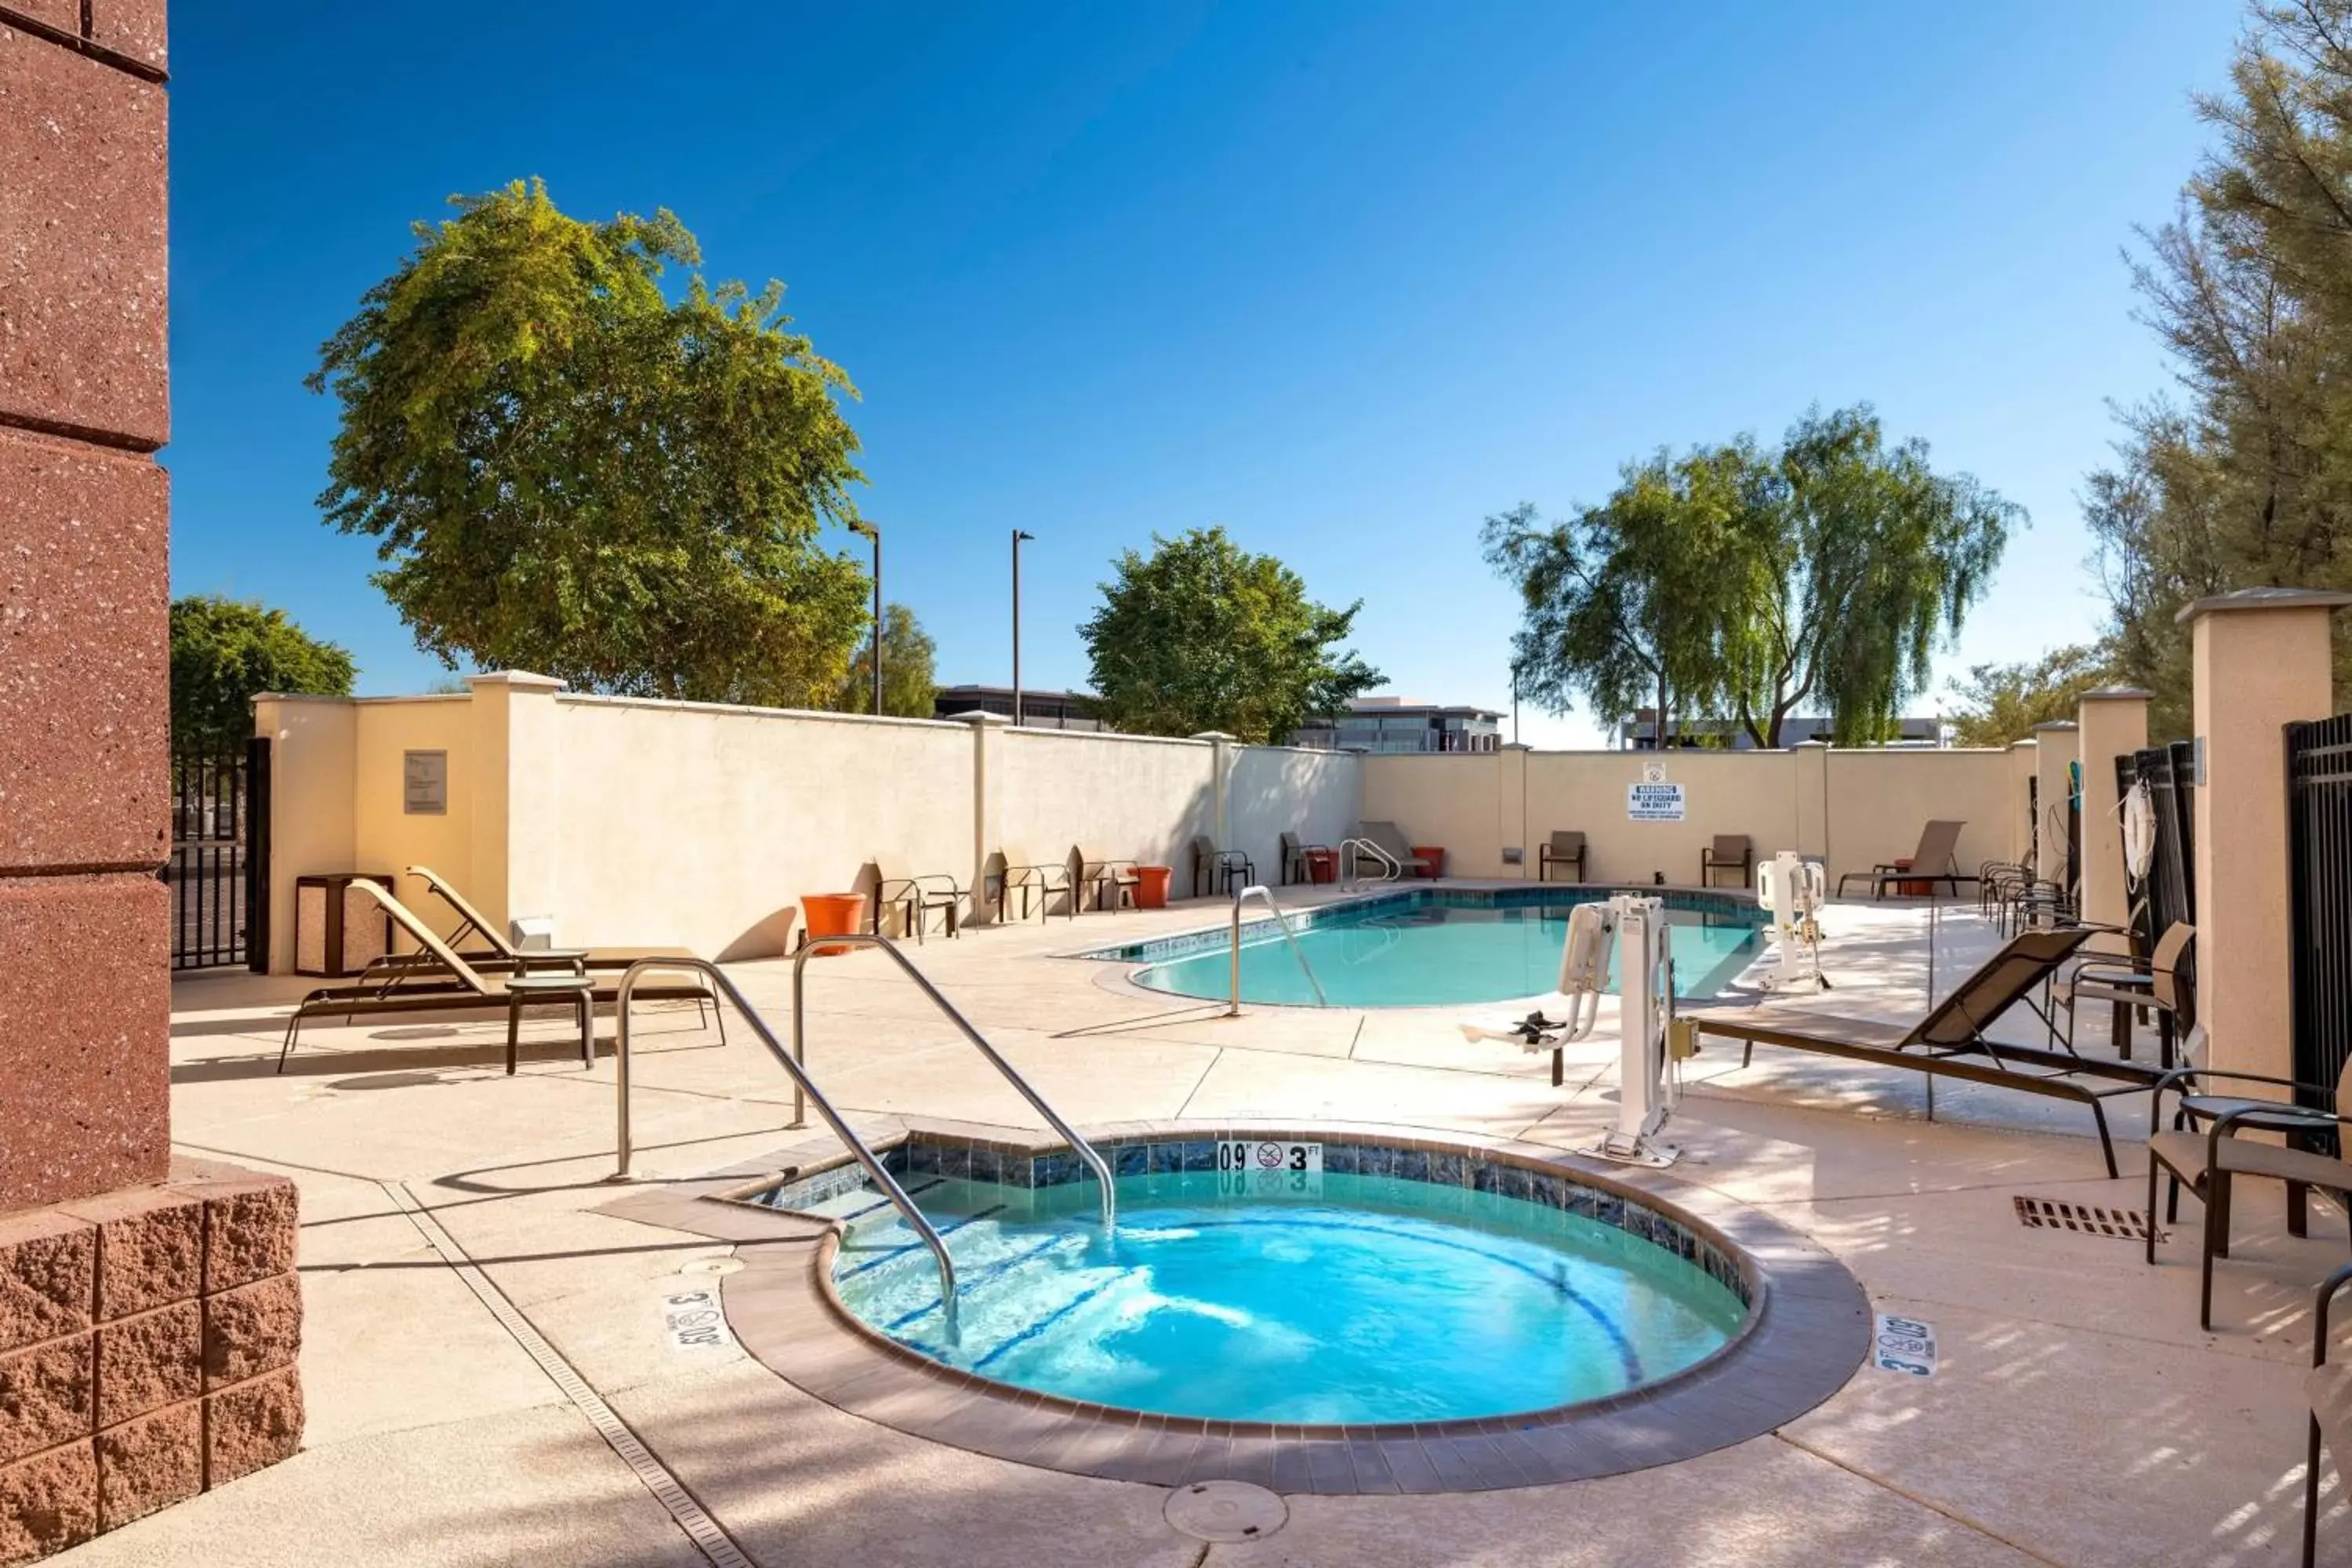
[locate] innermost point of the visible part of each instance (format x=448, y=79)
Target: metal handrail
x=1234, y=1009
x=1085, y=1151
x=803, y=1092
x=1392, y=867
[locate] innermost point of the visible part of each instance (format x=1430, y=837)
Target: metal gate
x=2319, y=894
x=2170, y=894
x=218, y=872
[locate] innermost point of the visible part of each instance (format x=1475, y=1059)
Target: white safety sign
x=1653, y=803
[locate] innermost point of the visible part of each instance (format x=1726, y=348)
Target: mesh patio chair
x=1729, y=850
x=1563, y=849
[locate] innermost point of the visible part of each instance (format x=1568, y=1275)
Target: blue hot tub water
x=1444, y=949
x=1338, y=1297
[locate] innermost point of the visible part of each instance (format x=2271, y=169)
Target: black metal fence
x=2169, y=893
x=216, y=867
x=2319, y=894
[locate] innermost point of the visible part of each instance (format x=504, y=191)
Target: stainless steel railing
x=1351, y=853
x=803, y=1092
x=1234, y=1010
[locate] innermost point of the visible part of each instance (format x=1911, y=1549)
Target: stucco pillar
x=2056, y=751
x=1511, y=813
x=2260, y=661
x=987, y=750
x=517, y=840
x=2111, y=722
x=1220, y=777
x=1811, y=759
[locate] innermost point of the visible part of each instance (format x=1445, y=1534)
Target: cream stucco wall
x=312, y=826
x=1274, y=790
x=1877, y=802
x=386, y=836
x=1129, y=797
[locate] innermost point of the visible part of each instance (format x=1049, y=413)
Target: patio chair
x=1729, y=849
x=1392, y=843
x=497, y=946
x=456, y=986
x=2328, y=1389
x=1027, y=874
x=1296, y=866
x=1217, y=868
x=2162, y=986
x=2207, y=1159
x=1936, y=860
x=1950, y=1041
x=1113, y=881
x=1563, y=849
x=915, y=895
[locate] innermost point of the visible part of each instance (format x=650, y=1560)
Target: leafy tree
x=569, y=472
x=909, y=680
x=224, y=653
x=2002, y=703
x=1203, y=635
x=2246, y=479
x=1742, y=583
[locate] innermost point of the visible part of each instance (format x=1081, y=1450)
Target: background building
x=1039, y=710
x=1399, y=724
x=1639, y=733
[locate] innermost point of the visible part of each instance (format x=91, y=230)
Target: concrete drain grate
x=1225, y=1511
x=2052, y=1213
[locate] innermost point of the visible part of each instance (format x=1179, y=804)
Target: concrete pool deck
x=2078, y=1415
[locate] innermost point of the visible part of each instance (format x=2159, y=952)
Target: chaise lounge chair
x=496, y=945
x=442, y=982
x=1216, y=868
x=1950, y=1041
x=1936, y=860
x=1392, y=842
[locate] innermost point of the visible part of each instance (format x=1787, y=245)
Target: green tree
x=910, y=681
x=225, y=652
x=1201, y=634
x=569, y=472
x=2002, y=703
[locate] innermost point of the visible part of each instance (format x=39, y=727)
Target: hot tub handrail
x=803, y=1092
x=1085, y=1151
x=1352, y=852
x=1234, y=1009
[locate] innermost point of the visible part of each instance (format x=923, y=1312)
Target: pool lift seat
x=1792, y=888
x=1647, y=1087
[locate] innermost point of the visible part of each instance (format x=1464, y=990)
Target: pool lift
x=1792, y=888
x=1648, y=1081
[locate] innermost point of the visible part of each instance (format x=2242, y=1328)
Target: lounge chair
x=1729, y=849
x=2207, y=1158
x=1392, y=843
x=2161, y=986
x=1297, y=864
x=2327, y=1388
x=1030, y=875
x=1563, y=849
x=496, y=945
x=1936, y=860
x=1950, y=1041
x=914, y=895
x=1216, y=868
x=456, y=986
x=1113, y=881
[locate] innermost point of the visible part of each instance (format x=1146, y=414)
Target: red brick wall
x=84, y=560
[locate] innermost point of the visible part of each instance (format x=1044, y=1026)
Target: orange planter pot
x=1434, y=855
x=1151, y=890
x=832, y=914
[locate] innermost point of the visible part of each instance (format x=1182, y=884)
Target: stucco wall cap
x=2056, y=724
x=520, y=680
x=2117, y=694
x=2264, y=599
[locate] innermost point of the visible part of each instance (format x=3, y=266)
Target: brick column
x=2112, y=721
x=148, y=1327
x=2260, y=661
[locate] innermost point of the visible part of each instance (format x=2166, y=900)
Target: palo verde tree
x=570, y=472
x=1201, y=634
x=1738, y=583
x=224, y=652
x=909, y=679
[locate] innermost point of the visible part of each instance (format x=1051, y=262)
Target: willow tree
x=568, y=472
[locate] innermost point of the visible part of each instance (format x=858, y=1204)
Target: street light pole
x=1515, y=702
x=874, y=533
x=1017, y=537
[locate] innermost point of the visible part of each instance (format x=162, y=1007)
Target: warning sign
x=1653, y=803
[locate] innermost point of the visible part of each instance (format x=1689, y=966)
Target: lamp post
x=874, y=533
x=1515, y=702
x=1017, y=537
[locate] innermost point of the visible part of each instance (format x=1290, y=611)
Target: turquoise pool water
x=1431, y=953
x=1286, y=1297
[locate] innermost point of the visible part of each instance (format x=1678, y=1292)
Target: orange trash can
x=1151, y=889
x=832, y=914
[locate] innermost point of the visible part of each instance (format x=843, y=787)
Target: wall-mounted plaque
x=425, y=783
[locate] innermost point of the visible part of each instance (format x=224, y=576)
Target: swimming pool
x=1308, y=1283
x=1428, y=948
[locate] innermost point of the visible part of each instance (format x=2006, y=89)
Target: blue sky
x=1344, y=278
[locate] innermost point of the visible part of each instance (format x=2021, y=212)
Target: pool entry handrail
x=1352, y=852
x=1085, y=1151
x=804, y=1091
x=1234, y=1009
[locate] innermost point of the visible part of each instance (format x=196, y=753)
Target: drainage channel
x=711, y=1541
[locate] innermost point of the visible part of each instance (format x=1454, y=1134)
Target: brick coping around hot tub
x=1806, y=1332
